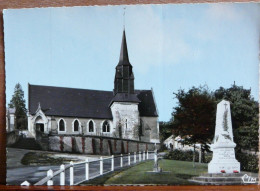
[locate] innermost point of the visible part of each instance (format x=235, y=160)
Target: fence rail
x=124, y=160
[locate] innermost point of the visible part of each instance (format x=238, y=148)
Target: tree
x=18, y=103
x=194, y=117
x=165, y=130
x=244, y=114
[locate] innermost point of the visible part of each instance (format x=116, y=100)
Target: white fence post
x=144, y=155
x=134, y=157
x=101, y=165
x=112, y=163
x=147, y=156
x=87, y=169
x=25, y=183
x=121, y=160
x=140, y=157
x=71, y=173
x=62, y=175
x=50, y=174
x=129, y=159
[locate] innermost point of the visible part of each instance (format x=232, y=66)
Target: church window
x=119, y=82
x=76, y=125
x=125, y=85
x=91, y=126
x=106, y=127
x=61, y=125
x=126, y=123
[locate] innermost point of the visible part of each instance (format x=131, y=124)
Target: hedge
x=188, y=156
x=248, y=162
x=182, y=155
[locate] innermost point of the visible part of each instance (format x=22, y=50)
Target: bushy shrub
x=187, y=156
x=248, y=162
x=163, y=148
x=207, y=157
x=182, y=155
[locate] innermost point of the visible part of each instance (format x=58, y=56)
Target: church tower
x=124, y=77
x=124, y=105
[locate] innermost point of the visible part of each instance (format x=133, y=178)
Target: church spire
x=124, y=76
x=123, y=59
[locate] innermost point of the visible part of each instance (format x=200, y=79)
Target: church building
x=124, y=113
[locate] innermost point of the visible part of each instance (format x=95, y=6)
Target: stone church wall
x=132, y=147
x=126, y=115
x=54, y=141
x=118, y=146
x=96, y=145
x=150, y=129
x=88, y=145
x=83, y=122
x=67, y=144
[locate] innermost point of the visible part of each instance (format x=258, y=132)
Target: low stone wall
x=97, y=145
x=12, y=137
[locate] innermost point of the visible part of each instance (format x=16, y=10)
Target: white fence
x=77, y=173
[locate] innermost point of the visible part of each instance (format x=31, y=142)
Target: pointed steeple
x=123, y=59
x=124, y=76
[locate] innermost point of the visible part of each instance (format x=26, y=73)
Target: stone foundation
x=97, y=145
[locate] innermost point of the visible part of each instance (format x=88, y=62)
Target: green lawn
x=180, y=172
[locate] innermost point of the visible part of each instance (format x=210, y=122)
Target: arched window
x=76, y=126
x=91, y=127
x=61, y=125
x=106, y=127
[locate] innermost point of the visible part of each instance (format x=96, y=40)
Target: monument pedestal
x=228, y=167
x=223, y=160
x=225, y=179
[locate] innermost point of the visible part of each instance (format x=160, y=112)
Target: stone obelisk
x=223, y=145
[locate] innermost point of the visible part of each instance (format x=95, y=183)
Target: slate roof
x=82, y=103
x=147, y=106
x=125, y=97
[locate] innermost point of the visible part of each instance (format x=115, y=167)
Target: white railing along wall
x=85, y=173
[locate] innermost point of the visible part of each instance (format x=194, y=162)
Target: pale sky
x=169, y=46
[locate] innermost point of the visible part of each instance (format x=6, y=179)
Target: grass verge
x=179, y=173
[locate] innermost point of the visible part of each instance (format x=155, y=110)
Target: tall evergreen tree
x=244, y=114
x=18, y=102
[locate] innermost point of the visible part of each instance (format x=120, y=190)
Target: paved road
x=17, y=174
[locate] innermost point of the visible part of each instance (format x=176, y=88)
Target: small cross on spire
x=124, y=18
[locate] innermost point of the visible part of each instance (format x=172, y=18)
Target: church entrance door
x=40, y=127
